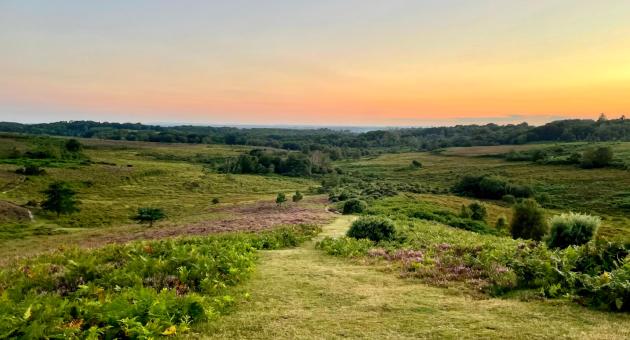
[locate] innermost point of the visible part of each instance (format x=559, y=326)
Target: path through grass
x=302, y=293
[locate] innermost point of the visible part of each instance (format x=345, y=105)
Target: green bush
x=281, y=198
x=502, y=223
x=597, y=157
x=477, y=211
x=509, y=199
x=297, y=197
x=373, y=228
x=149, y=215
x=572, y=229
x=528, y=221
x=354, y=206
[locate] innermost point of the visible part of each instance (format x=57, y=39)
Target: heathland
x=314, y=234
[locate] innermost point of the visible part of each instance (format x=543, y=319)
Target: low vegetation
x=137, y=290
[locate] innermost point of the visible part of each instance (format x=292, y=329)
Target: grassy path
x=303, y=293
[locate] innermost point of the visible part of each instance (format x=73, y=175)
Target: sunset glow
x=314, y=62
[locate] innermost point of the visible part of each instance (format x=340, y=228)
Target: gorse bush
x=572, y=229
x=373, y=228
x=137, y=290
x=353, y=206
x=528, y=221
x=597, y=157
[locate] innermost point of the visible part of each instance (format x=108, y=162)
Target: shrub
x=30, y=170
x=216, y=200
x=501, y=223
x=297, y=197
x=510, y=199
x=416, y=164
x=528, y=221
x=373, y=228
x=281, y=198
x=465, y=212
x=572, y=229
x=149, y=215
x=73, y=145
x=354, y=206
x=490, y=187
x=597, y=157
x=477, y=211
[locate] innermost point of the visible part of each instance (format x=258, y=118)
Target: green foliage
x=73, y=145
x=502, y=223
x=489, y=187
x=149, y=215
x=137, y=290
x=572, y=229
x=216, y=200
x=30, y=170
x=416, y=164
x=509, y=199
x=281, y=198
x=60, y=199
x=345, y=246
x=477, y=211
x=528, y=221
x=373, y=228
x=354, y=206
x=297, y=196
x=597, y=157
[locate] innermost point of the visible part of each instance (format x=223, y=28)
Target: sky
x=298, y=62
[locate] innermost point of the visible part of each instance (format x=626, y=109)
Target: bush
x=597, y=157
x=216, y=200
x=30, y=170
x=354, y=206
x=510, y=199
x=281, y=198
x=477, y=211
x=490, y=187
x=572, y=229
x=528, y=221
x=416, y=164
x=297, y=197
x=501, y=223
x=373, y=228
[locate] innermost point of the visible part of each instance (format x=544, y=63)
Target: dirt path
x=302, y=293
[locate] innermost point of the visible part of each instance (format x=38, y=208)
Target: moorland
x=135, y=231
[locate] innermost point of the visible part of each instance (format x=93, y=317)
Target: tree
x=373, y=228
x=60, y=198
x=528, y=221
x=73, y=145
x=477, y=211
x=149, y=215
x=297, y=197
x=281, y=198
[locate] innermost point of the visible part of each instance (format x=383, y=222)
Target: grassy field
x=316, y=296
x=124, y=176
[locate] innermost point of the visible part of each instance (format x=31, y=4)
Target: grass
x=600, y=192
x=318, y=296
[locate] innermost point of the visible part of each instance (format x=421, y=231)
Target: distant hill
x=310, y=139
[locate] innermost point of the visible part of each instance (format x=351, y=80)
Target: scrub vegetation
x=136, y=231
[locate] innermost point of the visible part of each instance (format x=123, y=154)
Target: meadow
x=230, y=261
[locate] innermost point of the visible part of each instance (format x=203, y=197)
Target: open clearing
x=302, y=293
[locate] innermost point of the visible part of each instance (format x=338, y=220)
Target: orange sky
x=326, y=63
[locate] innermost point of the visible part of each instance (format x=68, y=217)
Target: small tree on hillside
x=297, y=197
x=60, y=199
x=597, y=158
x=149, y=215
x=73, y=145
x=528, y=221
x=281, y=198
x=477, y=211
